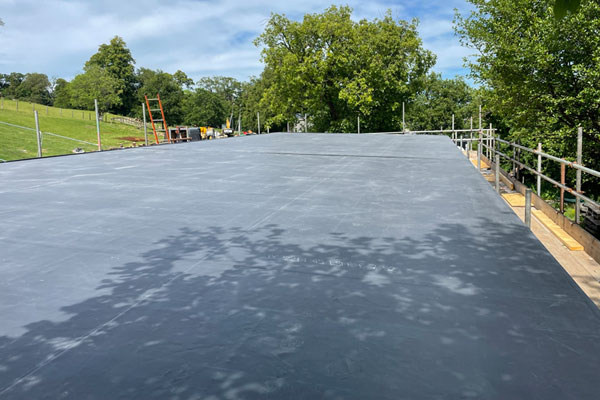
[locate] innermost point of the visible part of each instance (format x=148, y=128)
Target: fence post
x=97, y=124
x=578, y=174
x=539, y=170
x=258, y=119
x=454, y=139
x=17, y=103
x=518, y=171
x=288, y=126
x=562, y=190
x=497, y=173
x=528, y=207
x=38, y=134
x=358, y=119
x=1, y=103
x=403, y=126
x=479, y=150
x=145, y=127
x=471, y=135
x=305, y=123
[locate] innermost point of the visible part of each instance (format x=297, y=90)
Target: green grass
x=17, y=143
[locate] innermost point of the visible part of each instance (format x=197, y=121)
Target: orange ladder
x=163, y=123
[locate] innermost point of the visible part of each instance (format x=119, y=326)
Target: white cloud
x=56, y=37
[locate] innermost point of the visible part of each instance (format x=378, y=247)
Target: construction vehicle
x=228, y=130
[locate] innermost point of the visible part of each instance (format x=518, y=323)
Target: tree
x=542, y=73
x=204, y=108
x=95, y=83
x=336, y=69
x=34, y=88
x=10, y=84
x=227, y=88
x=561, y=7
x=171, y=93
x=62, y=93
x=434, y=105
x=116, y=59
x=182, y=79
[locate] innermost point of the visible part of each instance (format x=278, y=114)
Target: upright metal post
x=305, y=123
x=497, y=173
x=453, y=133
x=38, y=133
x=539, y=170
x=288, y=126
x=240, y=123
x=258, y=119
x=491, y=141
x=358, y=119
x=528, y=207
x=403, y=125
x=17, y=105
x=562, y=190
x=471, y=135
x=479, y=144
x=97, y=124
x=578, y=174
x=479, y=150
x=145, y=127
x=1, y=103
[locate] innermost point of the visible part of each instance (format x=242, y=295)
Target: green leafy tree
x=183, y=80
x=561, y=7
x=542, y=75
x=434, y=106
x=62, y=93
x=170, y=91
x=116, y=59
x=204, y=108
x=336, y=69
x=10, y=84
x=229, y=89
x=34, y=88
x=95, y=83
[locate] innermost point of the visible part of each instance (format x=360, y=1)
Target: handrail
x=571, y=164
x=490, y=142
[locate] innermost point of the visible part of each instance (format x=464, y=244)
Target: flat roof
x=281, y=266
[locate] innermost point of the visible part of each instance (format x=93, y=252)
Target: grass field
x=17, y=143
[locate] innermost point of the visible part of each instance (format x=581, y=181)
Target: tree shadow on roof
x=249, y=314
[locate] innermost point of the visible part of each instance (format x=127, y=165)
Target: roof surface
x=282, y=266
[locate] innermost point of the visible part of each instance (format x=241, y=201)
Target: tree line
x=537, y=66
x=327, y=67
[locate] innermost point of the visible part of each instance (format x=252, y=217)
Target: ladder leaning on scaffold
x=163, y=123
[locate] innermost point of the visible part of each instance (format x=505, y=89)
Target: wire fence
x=24, y=142
x=28, y=107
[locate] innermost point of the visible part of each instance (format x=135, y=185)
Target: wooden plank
x=514, y=199
x=563, y=236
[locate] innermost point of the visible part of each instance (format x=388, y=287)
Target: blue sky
x=201, y=38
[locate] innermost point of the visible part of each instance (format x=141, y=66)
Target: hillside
x=17, y=143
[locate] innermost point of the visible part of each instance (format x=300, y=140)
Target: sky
x=201, y=38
